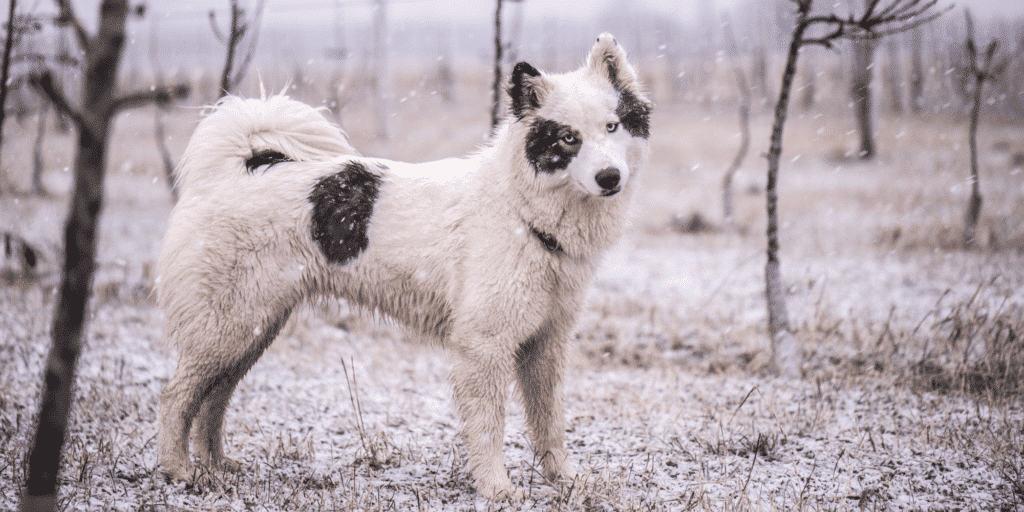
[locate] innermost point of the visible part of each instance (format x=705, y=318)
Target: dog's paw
x=500, y=491
x=177, y=473
x=556, y=470
x=232, y=465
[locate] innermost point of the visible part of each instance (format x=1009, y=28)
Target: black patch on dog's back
x=634, y=114
x=545, y=148
x=265, y=157
x=342, y=207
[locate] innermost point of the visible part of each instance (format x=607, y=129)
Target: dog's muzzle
x=608, y=179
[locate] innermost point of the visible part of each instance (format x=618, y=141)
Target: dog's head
x=588, y=128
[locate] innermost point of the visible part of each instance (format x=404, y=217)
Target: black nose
x=608, y=179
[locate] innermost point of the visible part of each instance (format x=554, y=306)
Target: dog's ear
x=526, y=89
x=608, y=59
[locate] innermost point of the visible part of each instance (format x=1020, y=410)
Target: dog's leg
x=208, y=432
x=210, y=365
x=539, y=369
x=480, y=376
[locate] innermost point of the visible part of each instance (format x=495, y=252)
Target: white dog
x=489, y=254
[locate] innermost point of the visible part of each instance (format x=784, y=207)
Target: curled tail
x=242, y=135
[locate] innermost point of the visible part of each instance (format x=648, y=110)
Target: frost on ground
x=910, y=397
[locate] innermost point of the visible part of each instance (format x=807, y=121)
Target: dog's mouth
x=611, y=192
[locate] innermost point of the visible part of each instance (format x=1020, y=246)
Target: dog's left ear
x=526, y=88
x=608, y=59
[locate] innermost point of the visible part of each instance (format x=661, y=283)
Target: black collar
x=549, y=242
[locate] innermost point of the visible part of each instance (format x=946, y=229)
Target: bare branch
x=67, y=17
x=43, y=82
x=159, y=95
x=213, y=24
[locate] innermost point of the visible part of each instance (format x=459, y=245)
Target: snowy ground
x=669, y=405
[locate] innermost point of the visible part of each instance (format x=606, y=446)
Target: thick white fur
x=451, y=253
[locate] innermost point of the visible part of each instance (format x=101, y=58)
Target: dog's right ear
x=526, y=89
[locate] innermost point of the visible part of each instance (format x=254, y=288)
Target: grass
x=911, y=391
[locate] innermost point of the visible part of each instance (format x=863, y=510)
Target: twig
x=67, y=17
x=43, y=82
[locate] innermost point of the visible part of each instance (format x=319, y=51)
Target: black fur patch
x=549, y=242
x=634, y=114
x=265, y=157
x=546, y=148
x=342, y=207
x=524, y=98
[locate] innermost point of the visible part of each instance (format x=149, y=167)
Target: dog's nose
x=608, y=180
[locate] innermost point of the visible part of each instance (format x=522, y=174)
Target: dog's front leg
x=540, y=364
x=480, y=376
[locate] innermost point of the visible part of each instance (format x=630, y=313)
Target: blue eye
x=611, y=127
x=569, y=139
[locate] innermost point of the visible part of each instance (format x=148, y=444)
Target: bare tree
x=893, y=76
x=878, y=19
x=5, y=65
x=382, y=73
x=496, y=85
x=860, y=92
x=159, y=130
x=238, y=28
x=916, y=72
x=100, y=103
x=978, y=75
x=743, y=87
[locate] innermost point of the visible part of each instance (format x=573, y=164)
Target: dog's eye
x=611, y=127
x=569, y=139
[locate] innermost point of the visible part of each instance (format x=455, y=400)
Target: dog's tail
x=246, y=135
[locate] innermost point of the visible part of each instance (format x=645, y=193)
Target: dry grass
x=911, y=393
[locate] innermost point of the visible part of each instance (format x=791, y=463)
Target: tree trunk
x=37, y=150
x=916, y=73
x=102, y=59
x=496, y=86
x=893, y=76
x=785, y=356
x=863, y=52
x=743, y=88
x=974, y=206
x=381, y=79
x=5, y=66
x=233, y=36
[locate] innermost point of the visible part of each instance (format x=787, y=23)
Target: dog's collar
x=549, y=242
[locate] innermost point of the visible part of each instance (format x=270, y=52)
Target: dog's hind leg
x=200, y=389
x=208, y=431
x=540, y=363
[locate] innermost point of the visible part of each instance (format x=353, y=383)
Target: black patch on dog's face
x=342, y=207
x=634, y=114
x=551, y=145
x=265, y=157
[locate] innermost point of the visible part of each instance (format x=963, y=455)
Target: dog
x=490, y=255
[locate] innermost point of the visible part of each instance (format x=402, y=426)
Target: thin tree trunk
x=863, y=52
x=5, y=66
x=37, y=150
x=893, y=76
x=233, y=36
x=916, y=73
x=160, y=135
x=99, y=105
x=743, y=88
x=785, y=357
x=102, y=59
x=496, y=86
x=380, y=50
x=974, y=206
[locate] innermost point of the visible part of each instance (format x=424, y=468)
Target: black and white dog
x=489, y=254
